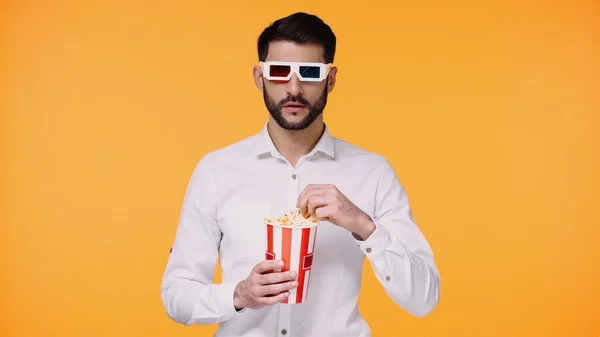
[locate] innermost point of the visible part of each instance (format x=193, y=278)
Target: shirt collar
x=264, y=144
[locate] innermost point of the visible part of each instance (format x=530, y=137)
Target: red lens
x=279, y=70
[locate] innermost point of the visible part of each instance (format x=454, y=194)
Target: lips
x=293, y=105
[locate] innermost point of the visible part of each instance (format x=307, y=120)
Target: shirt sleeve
x=188, y=292
x=397, y=250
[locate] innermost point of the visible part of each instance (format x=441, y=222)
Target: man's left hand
x=326, y=202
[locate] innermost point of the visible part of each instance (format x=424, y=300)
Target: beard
x=314, y=110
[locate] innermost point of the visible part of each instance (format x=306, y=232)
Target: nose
x=294, y=86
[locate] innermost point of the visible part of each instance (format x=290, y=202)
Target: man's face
x=294, y=104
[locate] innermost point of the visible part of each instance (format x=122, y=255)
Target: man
x=294, y=162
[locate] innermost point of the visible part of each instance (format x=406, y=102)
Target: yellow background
x=489, y=112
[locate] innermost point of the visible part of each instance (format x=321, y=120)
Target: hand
x=326, y=202
x=261, y=289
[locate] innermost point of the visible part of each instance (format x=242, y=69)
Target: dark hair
x=301, y=28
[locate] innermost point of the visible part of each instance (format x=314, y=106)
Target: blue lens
x=310, y=71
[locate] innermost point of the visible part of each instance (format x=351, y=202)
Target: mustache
x=294, y=99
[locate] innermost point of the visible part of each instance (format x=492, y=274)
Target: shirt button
x=294, y=176
x=368, y=250
x=387, y=278
x=283, y=332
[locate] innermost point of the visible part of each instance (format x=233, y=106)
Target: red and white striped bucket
x=295, y=246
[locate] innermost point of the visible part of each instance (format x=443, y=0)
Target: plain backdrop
x=488, y=110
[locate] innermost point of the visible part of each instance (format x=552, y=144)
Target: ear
x=258, y=78
x=331, y=78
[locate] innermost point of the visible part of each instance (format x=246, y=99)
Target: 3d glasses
x=305, y=71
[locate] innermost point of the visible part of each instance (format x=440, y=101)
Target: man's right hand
x=261, y=289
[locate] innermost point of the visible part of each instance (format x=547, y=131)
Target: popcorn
x=292, y=219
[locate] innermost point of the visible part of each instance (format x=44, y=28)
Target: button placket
x=296, y=179
x=285, y=309
x=284, y=320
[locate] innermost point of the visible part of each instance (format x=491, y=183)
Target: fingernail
x=280, y=264
x=293, y=274
x=294, y=284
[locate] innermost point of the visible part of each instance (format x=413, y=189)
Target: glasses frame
x=295, y=69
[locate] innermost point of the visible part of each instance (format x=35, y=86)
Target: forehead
x=294, y=52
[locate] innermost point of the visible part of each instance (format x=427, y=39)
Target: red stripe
x=301, y=270
x=270, y=239
x=270, y=255
x=286, y=247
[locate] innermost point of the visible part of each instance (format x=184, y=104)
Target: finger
x=303, y=198
x=267, y=265
x=277, y=288
x=323, y=213
x=318, y=201
x=277, y=277
x=273, y=299
x=319, y=186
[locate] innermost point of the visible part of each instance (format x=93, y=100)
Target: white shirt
x=230, y=193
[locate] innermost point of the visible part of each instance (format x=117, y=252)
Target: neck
x=293, y=144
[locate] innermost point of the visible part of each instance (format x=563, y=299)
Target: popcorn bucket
x=294, y=244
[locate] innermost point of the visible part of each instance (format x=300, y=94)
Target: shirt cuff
x=376, y=243
x=225, y=300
